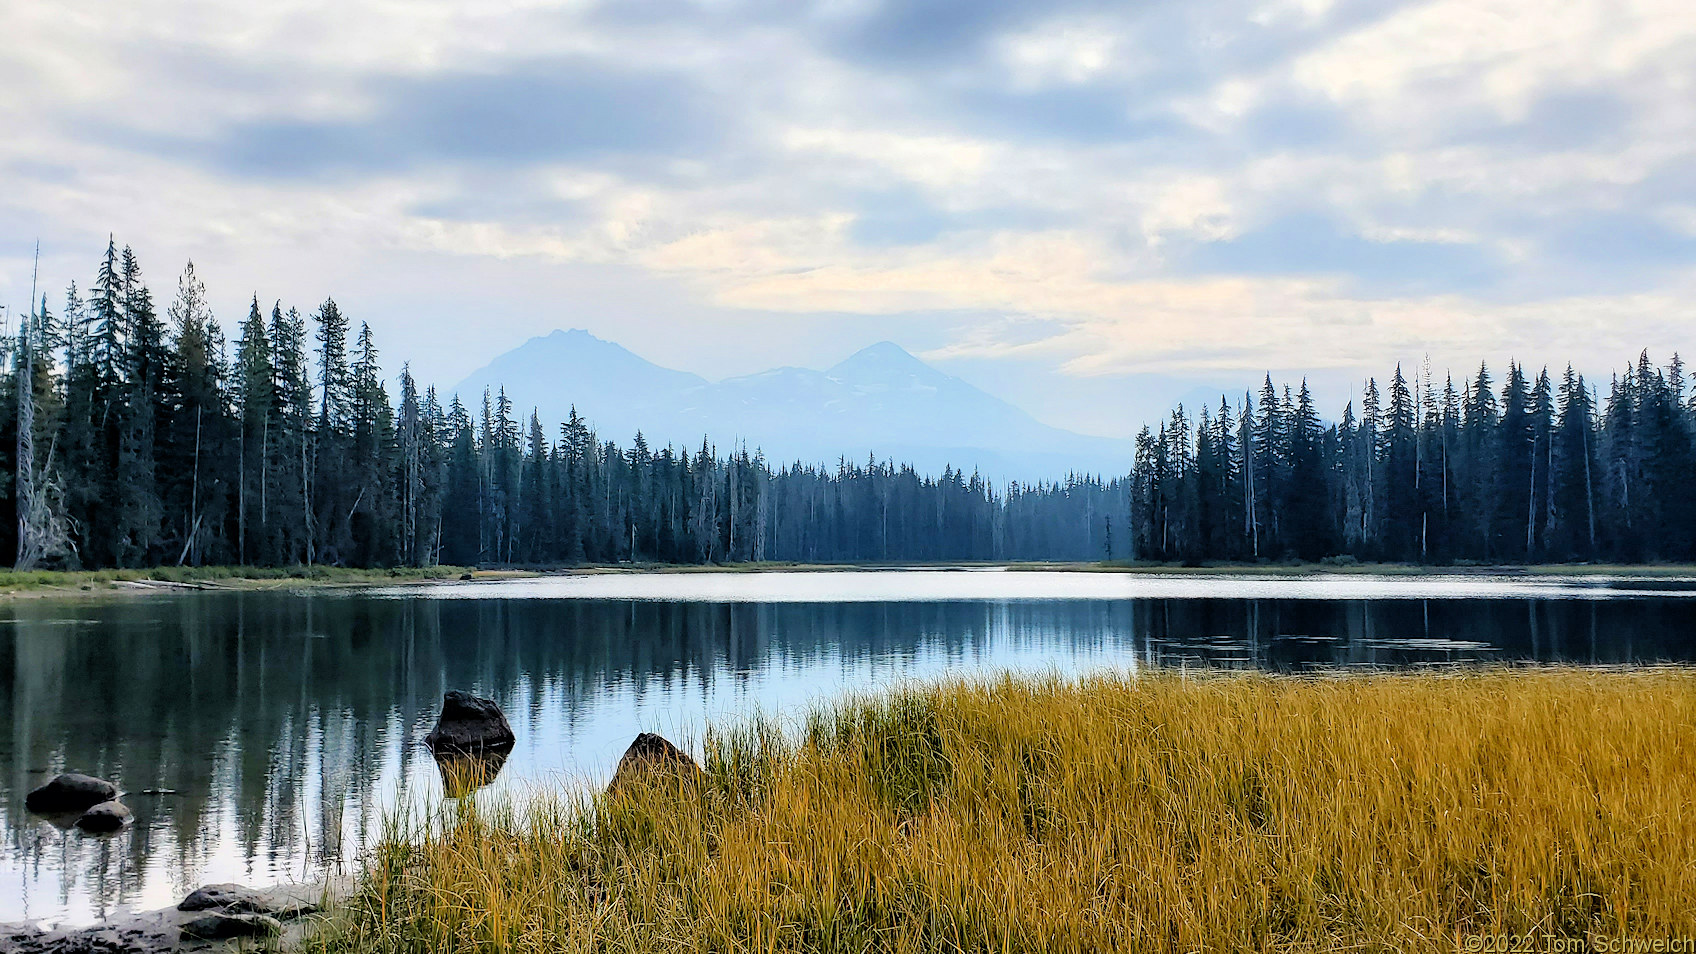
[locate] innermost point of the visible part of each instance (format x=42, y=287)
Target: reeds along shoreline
x=1225, y=813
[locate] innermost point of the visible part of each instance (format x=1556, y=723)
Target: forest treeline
x=1537, y=471
x=141, y=438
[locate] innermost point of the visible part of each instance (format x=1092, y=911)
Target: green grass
x=12, y=581
x=1398, y=812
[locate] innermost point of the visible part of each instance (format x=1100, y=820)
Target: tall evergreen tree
x=255, y=394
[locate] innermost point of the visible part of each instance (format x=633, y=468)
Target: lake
x=274, y=729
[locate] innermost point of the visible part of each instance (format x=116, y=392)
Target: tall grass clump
x=1120, y=813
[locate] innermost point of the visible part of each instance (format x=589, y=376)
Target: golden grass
x=1222, y=813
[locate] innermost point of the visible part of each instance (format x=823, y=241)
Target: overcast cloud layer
x=1089, y=208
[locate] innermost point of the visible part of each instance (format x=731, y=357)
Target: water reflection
x=466, y=772
x=260, y=737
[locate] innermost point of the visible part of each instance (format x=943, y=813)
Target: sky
x=1090, y=209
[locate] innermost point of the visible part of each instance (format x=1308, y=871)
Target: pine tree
x=255, y=392
x=1400, y=530
x=202, y=434
x=143, y=403
x=411, y=462
x=1310, y=536
x=1541, y=505
x=1271, y=444
x=286, y=501
x=1371, y=449
x=578, y=442
x=330, y=493
x=1514, y=453
x=462, y=531
x=1476, y=466
x=1576, y=466
x=370, y=516
x=534, y=517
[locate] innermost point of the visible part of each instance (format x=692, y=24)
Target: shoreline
x=160, y=929
x=131, y=582
x=77, y=584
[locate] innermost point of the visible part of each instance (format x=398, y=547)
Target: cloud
x=926, y=33
x=1207, y=187
x=556, y=111
x=1306, y=244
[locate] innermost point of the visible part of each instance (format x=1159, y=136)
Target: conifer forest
x=138, y=435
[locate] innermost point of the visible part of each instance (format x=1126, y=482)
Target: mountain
x=879, y=401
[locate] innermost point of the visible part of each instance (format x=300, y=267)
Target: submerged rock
x=219, y=927
x=235, y=899
x=469, y=723
x=105, y=817
x=466, y=772
x=70, y=793
x=652, y=755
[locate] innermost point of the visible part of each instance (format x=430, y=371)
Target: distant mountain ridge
x=880, y=401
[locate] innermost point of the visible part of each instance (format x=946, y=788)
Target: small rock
x=105, y=817
x=652, y=753
x=235, y=899
x=465, y=576
x=469, y=724
x=70, y=793
x=219, y=927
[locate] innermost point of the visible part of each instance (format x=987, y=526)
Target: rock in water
x=651, y=754
x=70, y=793
x=469, y=724
x=219, y=927
x=235, y=899
x=104, y=818
x=229, y=897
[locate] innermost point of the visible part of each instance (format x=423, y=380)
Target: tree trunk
x=193, y=497
x=28, y=552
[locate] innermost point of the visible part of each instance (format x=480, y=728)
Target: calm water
x=285, y=724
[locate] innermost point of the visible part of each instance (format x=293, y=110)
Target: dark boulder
x=235, y=899
x=220, y=927
x=652, y=756
x=105, y=818
x=469, y=724
x=70, y=793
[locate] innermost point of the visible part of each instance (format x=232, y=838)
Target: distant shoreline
x=178, y=579
x=1644, y=570
x=62, y=583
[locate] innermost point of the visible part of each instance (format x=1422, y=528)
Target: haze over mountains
x=879, y=401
